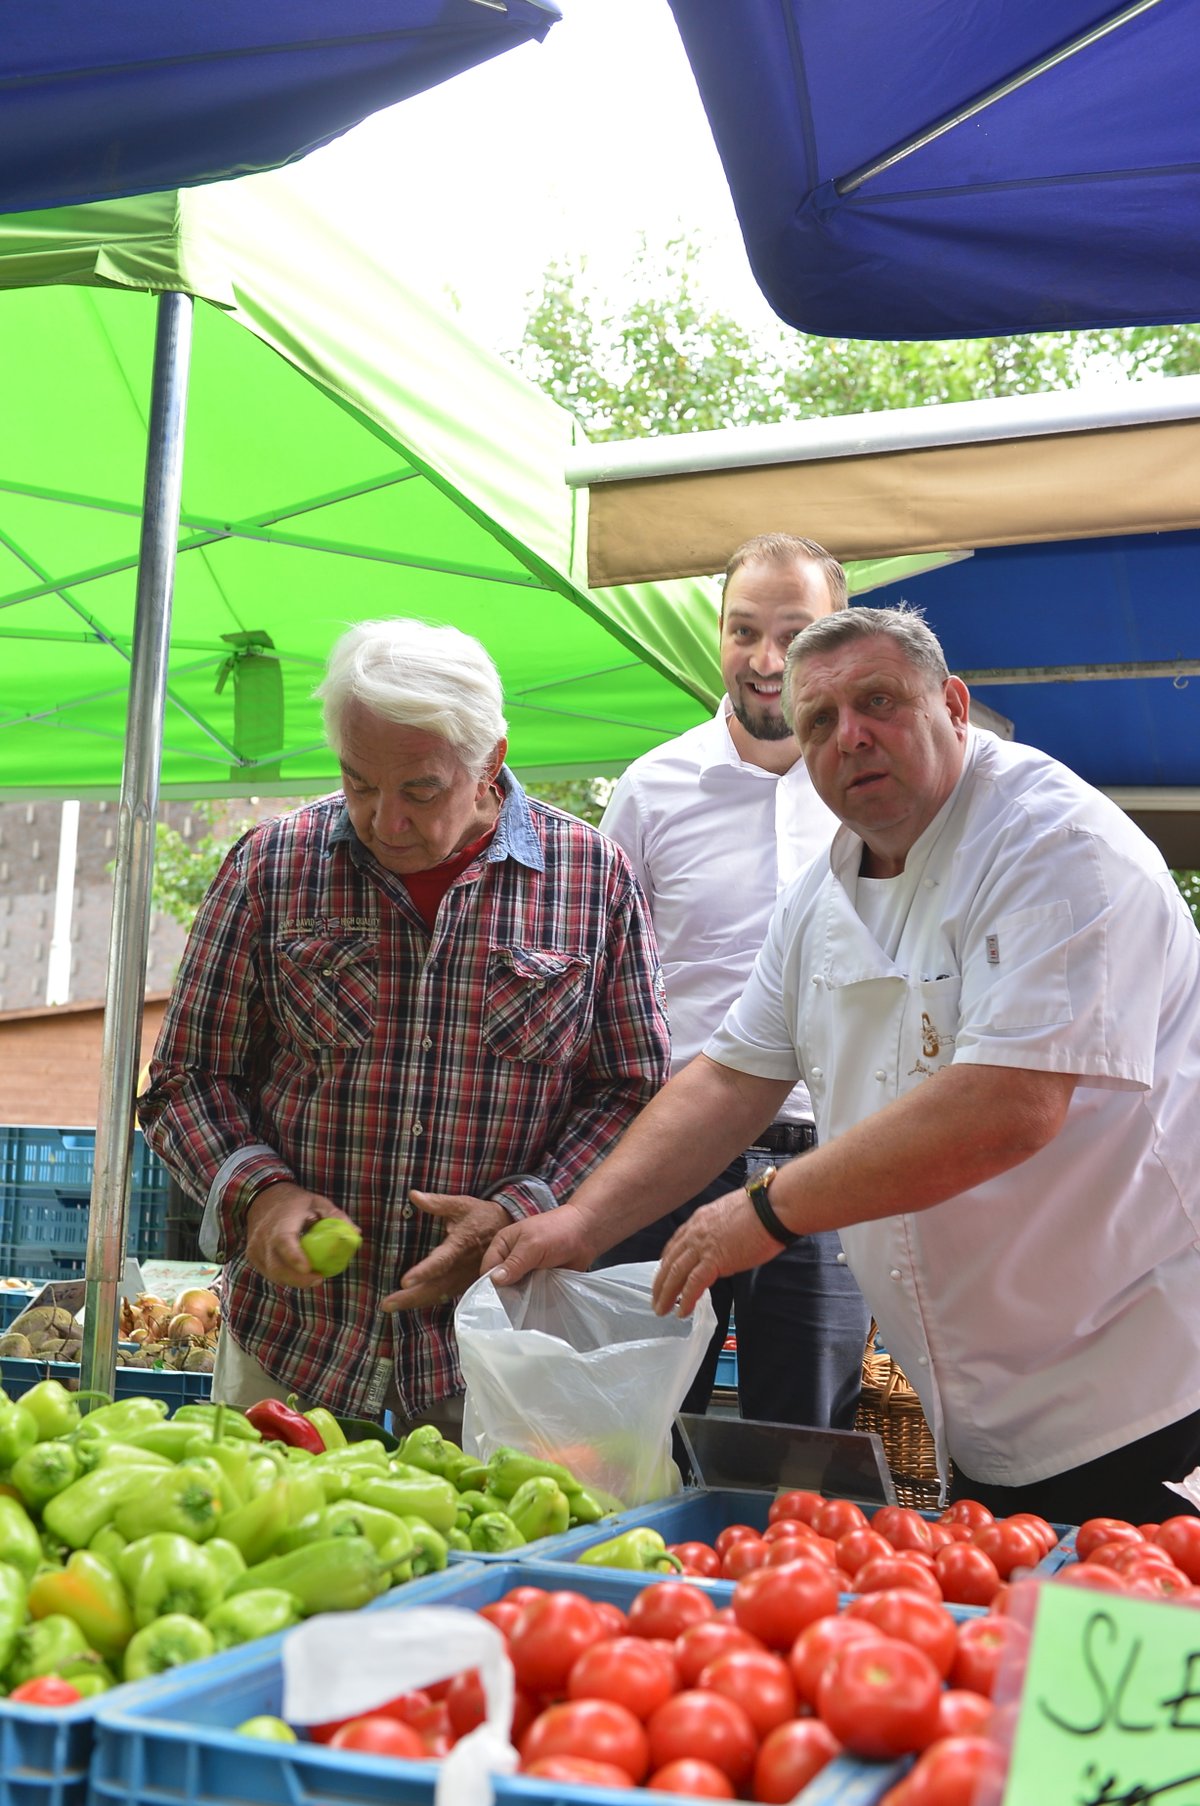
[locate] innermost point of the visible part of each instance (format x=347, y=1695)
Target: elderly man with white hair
x=428, y=1004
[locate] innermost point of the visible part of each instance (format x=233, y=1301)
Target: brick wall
x=50, y=1062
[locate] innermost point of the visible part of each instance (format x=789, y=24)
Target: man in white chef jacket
x=991, y=988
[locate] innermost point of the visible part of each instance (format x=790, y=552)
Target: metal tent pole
x=136, y=813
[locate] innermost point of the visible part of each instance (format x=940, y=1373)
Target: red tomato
x=707, y=1726
x=1045, y=1532
x=1010, y=1545
x=836, y=1516
x=793, y=1548
x=406, y=1708
x=790, y=1756
x=1180, y=1537
x=701, y=1644
x=743, y=1556
x=503, y=1613
x=1087, y=1574
x=967, y=1511
x=940, y=1535
x=703, y=1780
x=614, y=1620
x=464, y=1702
x=983, y=1643
x=958, y=1771
x=858, y=1546
x=880, y=1698
x=816, y=1647
x=913, y=1618
x=376, y=1735
x=1155, y=1583
x=883, y=1571
x=666, y=1608
x=903, y=1527
x=759, y=1682
x=521, y=1595
x=1094, y=1531
x=962, y=1713
x=599, y=1729
x=795, y=1504
x=731, y=1534
x=548, y=1638
x=1139, y=1558
x=46, y=1690
x=697, y=1558
x=575, y=1769
x=785, y=1527
x=966, y=1575
x=775, y=1604
x=630, y=1670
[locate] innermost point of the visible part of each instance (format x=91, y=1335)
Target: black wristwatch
x=756, y=1191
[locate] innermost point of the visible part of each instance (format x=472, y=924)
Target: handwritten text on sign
x=1110, y=1709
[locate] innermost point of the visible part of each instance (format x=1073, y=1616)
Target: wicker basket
x=889, y=1406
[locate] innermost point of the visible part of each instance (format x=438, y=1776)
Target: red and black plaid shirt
x=319, y=1032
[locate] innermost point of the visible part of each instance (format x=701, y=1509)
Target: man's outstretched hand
x=553, y=1239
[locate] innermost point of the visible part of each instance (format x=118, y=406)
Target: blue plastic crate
x=46, y=1757
x=727, y=1368
x=175, y=1746
x=45, y=1191
x=17, y=1376
x=12, y=1303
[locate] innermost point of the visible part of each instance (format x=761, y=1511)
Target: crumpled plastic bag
x=341, y=1664
x=576, y=1368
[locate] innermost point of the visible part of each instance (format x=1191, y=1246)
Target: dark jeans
x=1126, y=1483
x=800, y=1319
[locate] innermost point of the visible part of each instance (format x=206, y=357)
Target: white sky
x=579, y=143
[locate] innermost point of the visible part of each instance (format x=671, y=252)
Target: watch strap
x=756, y=1191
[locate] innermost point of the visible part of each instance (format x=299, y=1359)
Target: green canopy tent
x=195, y=500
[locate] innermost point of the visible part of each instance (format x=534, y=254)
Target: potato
x=12, y=1342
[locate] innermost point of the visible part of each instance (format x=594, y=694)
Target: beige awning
x=1079, y=465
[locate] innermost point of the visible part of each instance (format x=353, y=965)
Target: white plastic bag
x=341, y=1664
x=576, y=1368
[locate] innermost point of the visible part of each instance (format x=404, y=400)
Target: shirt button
x=427, y=1042
x=418, y=1128
x=841, y=1260
x=895, y=1273
x=406, y=1210
x=881, y=1075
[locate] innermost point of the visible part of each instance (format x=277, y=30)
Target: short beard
x=767, y=727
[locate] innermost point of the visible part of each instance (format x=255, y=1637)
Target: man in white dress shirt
x=716, y=822
x=991, y=988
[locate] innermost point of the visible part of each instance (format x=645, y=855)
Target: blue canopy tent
x=134, y=97
x=950, y=168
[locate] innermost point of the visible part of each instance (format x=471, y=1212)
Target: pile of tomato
x=1148, y=1561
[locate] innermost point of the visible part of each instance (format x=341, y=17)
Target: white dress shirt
x=713, y=841
x=1052, y=1314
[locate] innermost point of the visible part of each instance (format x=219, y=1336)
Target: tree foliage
x=185, y=867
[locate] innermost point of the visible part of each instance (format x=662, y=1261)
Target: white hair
x=417, y=675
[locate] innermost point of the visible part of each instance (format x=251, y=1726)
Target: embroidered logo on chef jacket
x=933, y=1043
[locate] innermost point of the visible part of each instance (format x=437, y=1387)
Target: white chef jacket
x=1052, y=1314
x=713, y=840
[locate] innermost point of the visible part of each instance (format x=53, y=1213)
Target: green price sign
x=1110, y=1707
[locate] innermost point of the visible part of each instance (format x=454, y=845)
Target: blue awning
x=136, y=96
x=953, y=168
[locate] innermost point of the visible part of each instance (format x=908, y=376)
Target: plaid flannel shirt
x=318, y=1032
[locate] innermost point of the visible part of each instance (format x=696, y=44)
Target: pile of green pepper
x=130, y=1543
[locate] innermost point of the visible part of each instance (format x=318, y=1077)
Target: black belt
x=787, y=1138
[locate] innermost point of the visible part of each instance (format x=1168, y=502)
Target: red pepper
x=280, y=1423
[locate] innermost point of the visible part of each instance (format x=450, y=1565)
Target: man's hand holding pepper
x=275, y=1221
x=471, y=1224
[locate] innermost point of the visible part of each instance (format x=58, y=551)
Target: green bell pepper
x=335, y=1574
x=426, y=1447
x=108, y=1542
x=20, y=1544
x=185, y=1500
x=260, y=1612
x=256, y=1527
x=225, y=1423
x=492, y=1532
x=641, y=1549
x=510, y=1468
x=110, y=1451
x=226, y=1558
x=429, y=1548
x=75, y=1514
x=12, y=1610
x=539, y=1507
x=18, y=1431
x=137, y=1412
x=430, y=1498
x=586, y=1508
x=389, y=1536
x=474, y=1504
x=327, y=1427
x=54, y=1409
x=43, y=1471
x=88, y=1673
x=166, y=1573
x=175, y=1441
x=44, y=1646
x=168, y=1642
x=87, y=1591
x=458, y=1539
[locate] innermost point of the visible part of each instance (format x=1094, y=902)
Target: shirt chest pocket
x=537, y=1006
x=326, y=991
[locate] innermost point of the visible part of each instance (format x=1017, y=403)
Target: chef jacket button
x=922, y=1360
x=881, y=1075
x=929, y=885
x=841, y=1260
x=406, y=1210
x=418, y=1128
x=818, y=1072
x=815, y=979
x=895, y=1273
